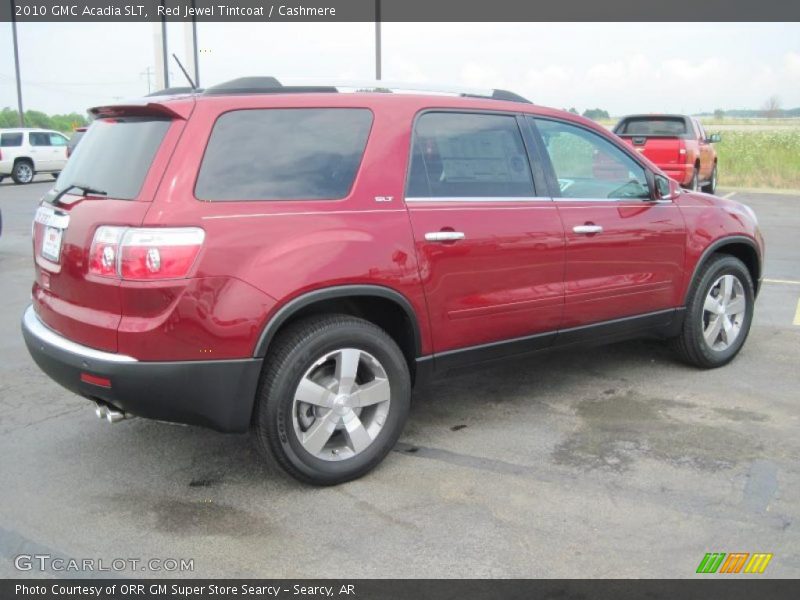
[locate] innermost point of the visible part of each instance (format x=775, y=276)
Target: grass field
x=756, y=158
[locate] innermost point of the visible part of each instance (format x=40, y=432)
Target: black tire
x=291, y=355
x=55, y=175
x=694, y=183
x=691, y=345
x=711, y=186
x=23, y=172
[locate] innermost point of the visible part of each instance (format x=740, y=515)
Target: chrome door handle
x=584, y=229
x=444, y=236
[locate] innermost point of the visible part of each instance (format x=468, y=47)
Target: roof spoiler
x=145, y=107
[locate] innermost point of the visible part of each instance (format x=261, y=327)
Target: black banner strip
x=709, y=588
x=259, y=11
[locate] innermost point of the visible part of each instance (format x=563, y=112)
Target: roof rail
x=271, y=85
x=173, y=91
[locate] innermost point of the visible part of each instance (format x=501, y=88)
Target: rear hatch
x=110, y=180
x=659, y=138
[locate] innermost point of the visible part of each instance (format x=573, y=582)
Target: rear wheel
x=22, y=172
x=55, y=175
x=711, y=186
x=694, y=184
x=718, y=313
x=333, y=400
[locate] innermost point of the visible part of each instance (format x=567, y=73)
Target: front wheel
x=333, y=400
x=718, y=313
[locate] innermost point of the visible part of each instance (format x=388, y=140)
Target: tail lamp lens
x=140, y=254
x=104, y=250
x=159, y=253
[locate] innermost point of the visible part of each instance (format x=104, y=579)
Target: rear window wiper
x=86, y=189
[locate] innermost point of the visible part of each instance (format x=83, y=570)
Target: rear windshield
x=115, y=155
x=10, y=139
x=653, y=126
x=284, y=154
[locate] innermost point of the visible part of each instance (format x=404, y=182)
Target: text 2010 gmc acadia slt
x=292, y=260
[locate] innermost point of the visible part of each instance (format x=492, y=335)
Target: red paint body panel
x=519, y=270
x=634, y=266
x=504, y=280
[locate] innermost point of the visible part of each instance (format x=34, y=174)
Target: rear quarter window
x=284, y=154
x=8, y=140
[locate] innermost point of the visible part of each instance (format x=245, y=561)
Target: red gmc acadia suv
x=294, y=259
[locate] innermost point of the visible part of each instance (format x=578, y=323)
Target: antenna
x=185, y=74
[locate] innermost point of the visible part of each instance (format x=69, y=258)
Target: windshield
x=115, y=155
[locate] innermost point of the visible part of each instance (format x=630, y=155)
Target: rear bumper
x=216, y=394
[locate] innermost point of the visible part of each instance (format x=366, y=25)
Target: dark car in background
x=73, y=141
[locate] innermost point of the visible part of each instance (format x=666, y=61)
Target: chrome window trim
x=572, y=199
x=46, y=335
x=479, y=199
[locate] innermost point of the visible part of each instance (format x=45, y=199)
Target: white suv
x=25, y=152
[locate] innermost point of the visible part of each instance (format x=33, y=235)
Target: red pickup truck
x=678, y=144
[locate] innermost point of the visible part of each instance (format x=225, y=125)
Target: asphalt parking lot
x=617, y=462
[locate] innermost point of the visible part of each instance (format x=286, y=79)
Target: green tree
x=34, y=118
x=596, y=113
x=719, y=114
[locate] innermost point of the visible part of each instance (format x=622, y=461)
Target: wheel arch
x=739, y=246
x=387, y=308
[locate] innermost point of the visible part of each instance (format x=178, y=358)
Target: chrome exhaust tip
x=100, y=410
x=110, y=414
x=114, y=416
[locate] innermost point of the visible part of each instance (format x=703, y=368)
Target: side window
x=284, y=154
x=465, y=155
x=37, y=138
x=700, y=131
x=8, y=140
x=589, y=166
x=57, y=140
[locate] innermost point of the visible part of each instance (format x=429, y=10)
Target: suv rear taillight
x=682, y=151
x=139, y=254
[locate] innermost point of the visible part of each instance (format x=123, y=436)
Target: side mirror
x=714, y=138
x=666, y=189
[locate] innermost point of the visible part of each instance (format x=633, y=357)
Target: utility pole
x=378, y=40
x=165, y=55
x=147, y=72
x=16, y=65
x=194, y=45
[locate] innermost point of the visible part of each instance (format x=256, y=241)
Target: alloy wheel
x=724, y=311
x=341, y=404
x=24, y=172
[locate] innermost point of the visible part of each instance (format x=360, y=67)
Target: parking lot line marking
x=782, y=281
x=797, y=313
x=729, y=195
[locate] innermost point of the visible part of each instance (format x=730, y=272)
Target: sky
x=619, y=67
